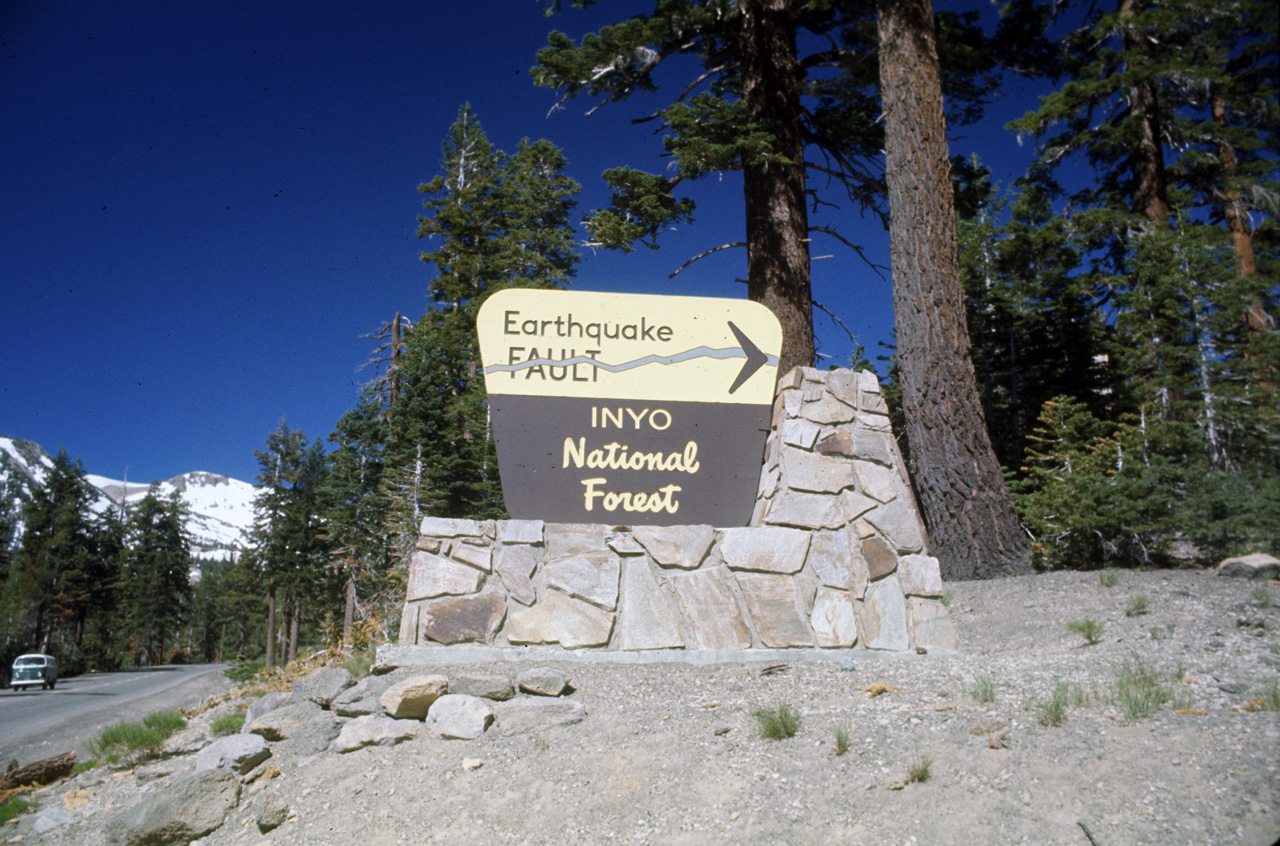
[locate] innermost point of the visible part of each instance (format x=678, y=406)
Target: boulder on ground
x=521, y=716
x=543, y=681
x=279, y=723
x=265, y=705
x=187, y=810
x=322, y=685
x=412, y=698
x=239, y=752
x=1259, y=565
x=455, y=717
x=374, y=731
x=498, y=688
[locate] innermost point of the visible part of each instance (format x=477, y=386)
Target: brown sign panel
x=628, y=409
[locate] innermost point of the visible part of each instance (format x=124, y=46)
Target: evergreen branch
x=829, y=231
x=704, y=255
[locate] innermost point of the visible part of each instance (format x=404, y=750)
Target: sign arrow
x=755, y=358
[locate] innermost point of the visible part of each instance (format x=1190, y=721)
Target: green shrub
x=228, y=723
x=141, y=738
x=1053, y=711
x=842, y=739
x=360, y=664
x=1139, y=689
x=983, y=689
x=1270, y=695
x=1108, y=577
x=779, y=722
x=13, y=806
x=919, y=770
x=1090, y=630
x=1261, y=597
x=1138, y=605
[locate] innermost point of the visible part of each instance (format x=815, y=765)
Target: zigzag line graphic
x=687, y=355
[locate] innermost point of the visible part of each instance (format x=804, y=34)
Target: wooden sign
x=629, y=409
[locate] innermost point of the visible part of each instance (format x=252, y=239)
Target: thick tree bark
x=1150, y=183
x=776, y=216
x=271, y=623
x=973, y=530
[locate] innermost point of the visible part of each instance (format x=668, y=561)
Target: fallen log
x=38, y=772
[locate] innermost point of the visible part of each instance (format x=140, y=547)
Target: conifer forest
x=1086, y=363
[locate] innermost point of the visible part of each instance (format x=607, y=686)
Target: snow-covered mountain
x=221, y=509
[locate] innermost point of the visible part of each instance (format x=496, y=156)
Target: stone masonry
x=835, y=556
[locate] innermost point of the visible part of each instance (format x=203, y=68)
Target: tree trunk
x=271, y=623
x=973, y=529
x=349, y=608
x=1150, y=184
x=776, y=216
x=294, y=617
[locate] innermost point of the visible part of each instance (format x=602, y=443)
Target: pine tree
x=60, y=581
x=357, y=504
x=495, y=221
x=155, y=580
x=973, y=529
x=279, y=471
x=777, y=90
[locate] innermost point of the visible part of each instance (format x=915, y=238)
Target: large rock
x=280, y=723
x=455, y=717
x=239, y=752
x=836, y=559
x=265, y=705
x=521, y=716
x=572, y=538
x=931, y=626
x=311, y=737
x=806, y=511
x=898, y=522
x=412, y=698
x=771, y=601
x=834, y=622
x=880, y=557
x=322, y=685
x=498, y=688
x=884, y=616
x=448, y=527
x=709, y=609
x=920, y=575
x=1259, y=565
x=543, y=681
x=269, y=811
x=816, y=473
x=590, y=576
x=374, y=731
x=645, y=619
x=187, y=809
x=676, y=546
x=874, y=480
x=433, y=575
x=361, y=698
x=770, y=549
x=465, y=619
x=480, y=557
x=520, y=531
x=560, y=618
x=515, y=566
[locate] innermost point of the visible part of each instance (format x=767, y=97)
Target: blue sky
x=204, y=206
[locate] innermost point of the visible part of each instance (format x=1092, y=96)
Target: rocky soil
x=671, y=753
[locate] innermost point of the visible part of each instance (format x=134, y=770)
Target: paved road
x=37, y=723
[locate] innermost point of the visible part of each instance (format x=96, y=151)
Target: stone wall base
x=835, y=558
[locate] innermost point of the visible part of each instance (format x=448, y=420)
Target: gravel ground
x=671, y=753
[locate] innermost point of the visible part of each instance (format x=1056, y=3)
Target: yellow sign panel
x=629, y=346
x=619, y=407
